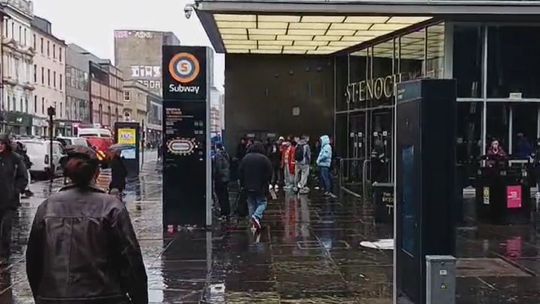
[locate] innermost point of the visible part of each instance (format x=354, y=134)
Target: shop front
x=18, y=123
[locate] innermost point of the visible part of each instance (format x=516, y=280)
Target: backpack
x=299, y=153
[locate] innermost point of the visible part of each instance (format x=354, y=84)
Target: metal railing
x=353, y=176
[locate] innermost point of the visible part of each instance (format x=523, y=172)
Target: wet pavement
x=308, y=252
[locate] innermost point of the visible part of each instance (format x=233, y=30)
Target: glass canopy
x=294, y=34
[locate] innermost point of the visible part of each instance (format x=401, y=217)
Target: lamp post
x=51, y=112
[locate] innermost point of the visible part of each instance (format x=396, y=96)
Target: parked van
x=38, y=152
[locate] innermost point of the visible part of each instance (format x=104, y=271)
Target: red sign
x=513, y=197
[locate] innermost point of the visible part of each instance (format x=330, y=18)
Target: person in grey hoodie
x=324, y=162
x=303, y=162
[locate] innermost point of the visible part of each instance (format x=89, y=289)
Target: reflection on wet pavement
x=309, y=252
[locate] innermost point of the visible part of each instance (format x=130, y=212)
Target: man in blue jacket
x=324, y=161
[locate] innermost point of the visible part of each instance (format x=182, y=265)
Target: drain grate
x=487, y=267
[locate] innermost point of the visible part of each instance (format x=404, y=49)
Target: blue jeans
x=326, y=179
x=257, y=205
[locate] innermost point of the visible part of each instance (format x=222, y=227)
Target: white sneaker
x=269, y=187
x=276, y=187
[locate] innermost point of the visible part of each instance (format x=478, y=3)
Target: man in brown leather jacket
x=82, y=247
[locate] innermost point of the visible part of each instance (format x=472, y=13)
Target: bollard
x=440, y=279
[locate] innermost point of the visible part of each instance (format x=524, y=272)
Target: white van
x=38, y=152
x=94, y=132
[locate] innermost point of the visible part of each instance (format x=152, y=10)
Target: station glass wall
x=495, y=65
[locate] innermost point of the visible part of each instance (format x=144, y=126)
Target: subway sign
x=184, y=76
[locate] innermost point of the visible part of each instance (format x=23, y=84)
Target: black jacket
x=274, y=154
x=221, y=167
x=82, y=249
x=13, y=180
x=118, y=174
x=255, y=173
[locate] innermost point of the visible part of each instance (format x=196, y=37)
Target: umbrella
x=120, y=147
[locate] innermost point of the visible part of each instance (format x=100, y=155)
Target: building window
x=6, y=29
x=35, y=73
x=54, y=51
x=100, y=114
x=43, y=76
x=54, y=80
x=35, y=104
x=26, y=105
x=48, y=49
x=8, y=103
x=25, y=33
x=49, y=77
x=60, y=54
x=20, y=34
x=467, y=58
x=518, y=75
x=34, y=42
x=42, y=105
x=12, y=30
x=61, y=110
x=21, y=105
x=41, y=45
x=126, y=96
x=61, y=81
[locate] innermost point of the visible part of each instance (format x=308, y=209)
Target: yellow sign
x=127, y=137
x=486, y=195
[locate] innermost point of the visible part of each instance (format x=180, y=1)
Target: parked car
x=38, y=151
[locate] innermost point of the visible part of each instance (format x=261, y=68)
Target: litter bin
x=383, y=198
x=503, y=195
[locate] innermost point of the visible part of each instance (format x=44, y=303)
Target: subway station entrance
x=333, y=67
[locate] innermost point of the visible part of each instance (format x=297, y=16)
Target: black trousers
x=222, y=193
x=6, y=223
x=277, y=175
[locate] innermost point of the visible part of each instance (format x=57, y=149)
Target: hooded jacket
x=255, y=171
x=325, y=156
x=13, y=176
x=83, y=249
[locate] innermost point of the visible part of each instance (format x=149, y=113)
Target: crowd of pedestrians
x=262, y=169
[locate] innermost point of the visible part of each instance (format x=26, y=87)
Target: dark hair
x=257, y=147
x=81, y=171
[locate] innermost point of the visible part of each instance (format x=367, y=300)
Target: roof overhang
x=319, y=27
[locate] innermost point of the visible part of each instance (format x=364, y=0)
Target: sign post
x=187, y=198
x=51, y=112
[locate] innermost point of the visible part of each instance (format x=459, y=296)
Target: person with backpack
x=303, y=162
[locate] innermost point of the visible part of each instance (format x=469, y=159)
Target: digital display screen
x=408, y=207
x=129, y=153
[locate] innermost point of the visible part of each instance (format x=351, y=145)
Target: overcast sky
x=90, y=24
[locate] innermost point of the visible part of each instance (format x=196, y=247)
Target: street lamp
x=51, y=112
